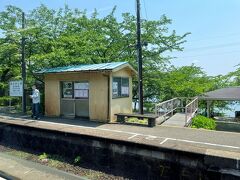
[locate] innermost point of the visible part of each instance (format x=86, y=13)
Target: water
x=227, y=113
x=231, y=113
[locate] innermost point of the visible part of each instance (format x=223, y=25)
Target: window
x=67, y=90
x=116, y=87
x=120, y=87
x=77, y=90
x=81, y=90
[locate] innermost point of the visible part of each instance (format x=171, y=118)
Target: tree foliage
x=70, y=36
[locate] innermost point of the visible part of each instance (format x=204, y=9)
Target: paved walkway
x=186, y=139
x=14, y=168
x=177, y=119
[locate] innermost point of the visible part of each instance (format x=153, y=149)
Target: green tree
x=187, y=81
x=69, y=36
x=65, y=36
x=9, y=47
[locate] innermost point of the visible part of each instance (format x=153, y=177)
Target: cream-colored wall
x=98, y=93
x=52, y=94
x=121, y=105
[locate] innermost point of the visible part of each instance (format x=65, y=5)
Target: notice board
x=16, y=88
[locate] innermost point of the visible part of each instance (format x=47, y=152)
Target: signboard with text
x=16, y=88
x=81, y=90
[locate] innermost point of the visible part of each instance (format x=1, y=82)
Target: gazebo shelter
x=224, y=94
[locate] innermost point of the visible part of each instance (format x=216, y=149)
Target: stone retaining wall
x=127, y=159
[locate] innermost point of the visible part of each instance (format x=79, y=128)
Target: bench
x=151, y=118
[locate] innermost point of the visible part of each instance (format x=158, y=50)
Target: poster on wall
x=81, y=85
x=115, y=89
x=81, y=90
x=67, y=89
x=125, y=91
x=81, y=93
x=16, y=88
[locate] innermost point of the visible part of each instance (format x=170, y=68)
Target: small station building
x=95, y=91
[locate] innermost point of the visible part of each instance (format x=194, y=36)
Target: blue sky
x=214, y=43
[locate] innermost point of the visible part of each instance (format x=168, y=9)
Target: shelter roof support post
x=208, y=108
x=181, y=104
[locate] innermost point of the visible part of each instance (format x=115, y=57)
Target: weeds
x=77, y=160
x=43, y=156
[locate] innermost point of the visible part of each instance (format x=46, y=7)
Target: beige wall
x=52, y=94
x=98, y=93
x=121, y=105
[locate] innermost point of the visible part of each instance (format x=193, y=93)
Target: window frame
x=119, y=89
x=62, y=90
x=73, y=90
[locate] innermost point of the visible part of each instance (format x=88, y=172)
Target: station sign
x=16, y=88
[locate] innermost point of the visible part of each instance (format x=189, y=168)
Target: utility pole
x=23, y=63
x=139, y=59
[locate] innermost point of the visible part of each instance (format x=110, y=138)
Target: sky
x=214, y=43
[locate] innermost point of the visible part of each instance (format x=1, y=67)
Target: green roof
x=85, y=67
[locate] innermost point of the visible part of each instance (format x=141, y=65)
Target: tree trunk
x=4, y=79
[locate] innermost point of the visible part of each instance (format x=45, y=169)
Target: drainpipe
x=107, y=75
x=108, y=111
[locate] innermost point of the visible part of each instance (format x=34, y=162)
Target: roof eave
x=124, y=66
x=218, y=99
x=121, y=66
x=85, y=71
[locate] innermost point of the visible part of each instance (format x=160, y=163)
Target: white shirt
x=35, y=96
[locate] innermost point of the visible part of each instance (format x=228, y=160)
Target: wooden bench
x=151, y=118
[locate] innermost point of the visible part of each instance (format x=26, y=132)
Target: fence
x=167, y=108
x=190, y=110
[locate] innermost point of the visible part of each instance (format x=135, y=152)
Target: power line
x=139, y=58
x=23, y=65
x=209, y=54
x=215, y=37
x=146, y=14
x=215, y=46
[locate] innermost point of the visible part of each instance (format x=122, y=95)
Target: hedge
x=4, y=101
x=203, y=122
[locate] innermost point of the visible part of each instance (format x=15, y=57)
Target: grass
x=43, y=156
x=77, y=160
x=51, y=160
x=55, y=163
x=137, y=121
x=59, y=162
x=20, y=154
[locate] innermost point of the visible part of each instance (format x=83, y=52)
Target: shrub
x=43, y=156
x=203, y=122
x=149, y=107
x=137, y=121
x=4, y=101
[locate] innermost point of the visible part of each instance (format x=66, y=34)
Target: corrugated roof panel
x=88, y=67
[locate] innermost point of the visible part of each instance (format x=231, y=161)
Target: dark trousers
x=35, y=110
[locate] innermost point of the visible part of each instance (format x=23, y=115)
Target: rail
x=167, y=107
x=190, y=110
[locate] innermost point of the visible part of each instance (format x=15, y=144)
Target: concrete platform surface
x=216, y=143
x=15, y=168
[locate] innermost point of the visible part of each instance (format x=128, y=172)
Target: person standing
x=35, y=102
